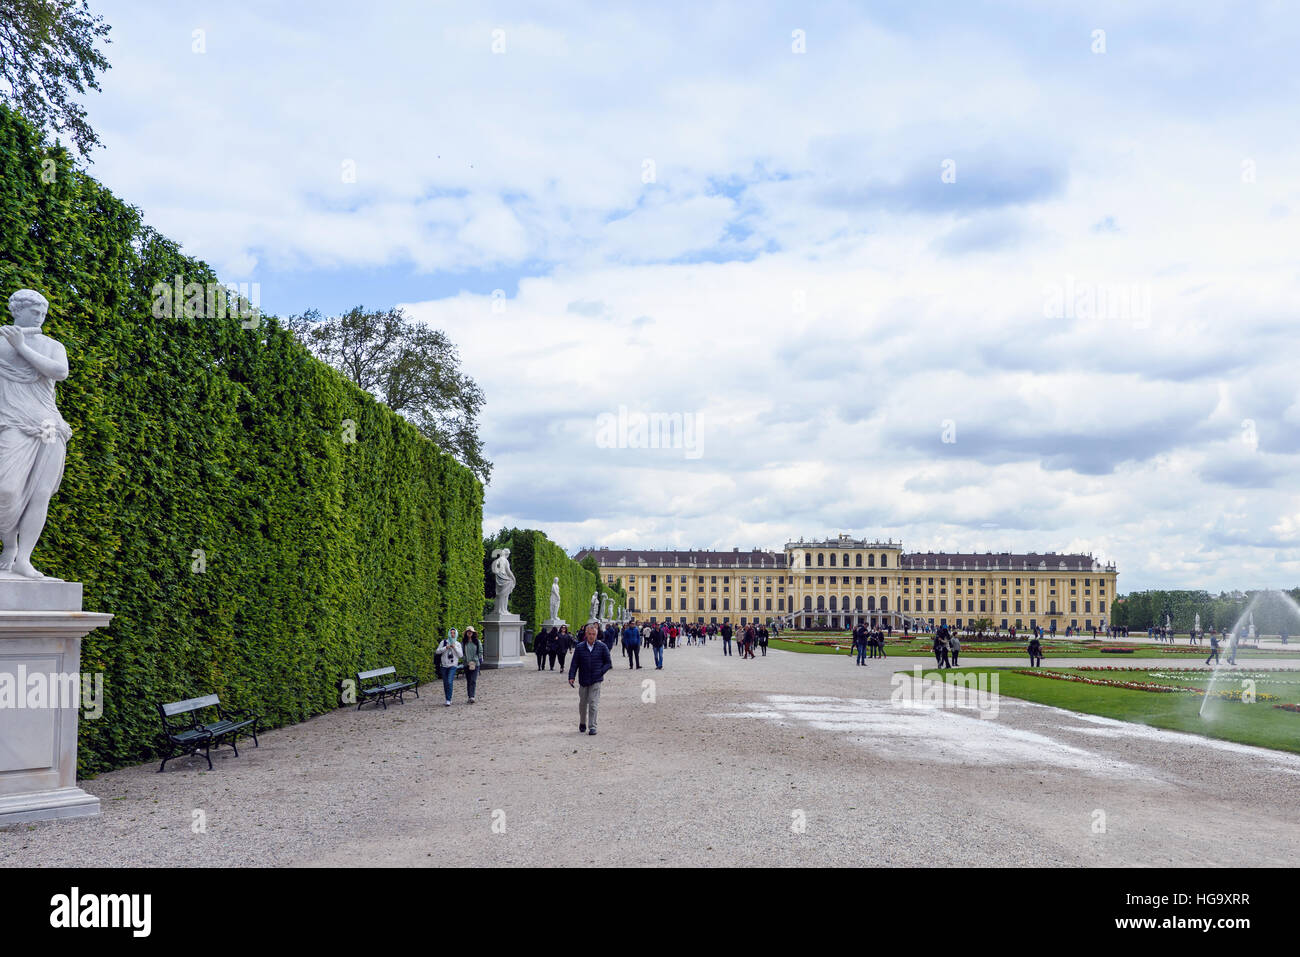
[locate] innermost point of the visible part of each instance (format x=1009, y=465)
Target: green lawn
x=1052, y=648
x=1259, y=723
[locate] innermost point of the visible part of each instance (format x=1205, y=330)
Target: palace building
x=841, y=582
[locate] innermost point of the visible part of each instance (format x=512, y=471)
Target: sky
x=973, y=276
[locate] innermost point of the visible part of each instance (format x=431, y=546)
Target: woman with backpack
x=449, y=652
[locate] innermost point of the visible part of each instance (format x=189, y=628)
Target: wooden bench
x=378, y=686
x=184, y=735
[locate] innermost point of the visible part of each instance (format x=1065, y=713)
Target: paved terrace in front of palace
x=713, y=771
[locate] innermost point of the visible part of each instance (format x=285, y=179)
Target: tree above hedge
x=48, y=55
x=412, y=368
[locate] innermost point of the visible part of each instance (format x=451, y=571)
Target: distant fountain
x=1279, y=604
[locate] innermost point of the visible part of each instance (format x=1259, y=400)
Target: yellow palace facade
x=843, y=581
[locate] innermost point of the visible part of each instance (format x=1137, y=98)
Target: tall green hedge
x=536, y=560
x=323, y=556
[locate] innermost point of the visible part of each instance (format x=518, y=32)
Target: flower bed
x=1234, y=695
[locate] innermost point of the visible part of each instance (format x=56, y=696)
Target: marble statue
x=555, y=598
x=33, y=436
x=595, y=605
x=505, y=580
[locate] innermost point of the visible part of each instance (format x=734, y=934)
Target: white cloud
x=849, y=301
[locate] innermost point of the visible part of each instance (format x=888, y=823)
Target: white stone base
x=41, y=627
x=47, y=805
x=503, y=641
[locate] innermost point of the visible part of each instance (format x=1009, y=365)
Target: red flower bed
x=1140, y=685
x=1106, y=682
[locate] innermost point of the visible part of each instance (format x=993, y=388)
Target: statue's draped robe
x=505, y=581
x=33, y=436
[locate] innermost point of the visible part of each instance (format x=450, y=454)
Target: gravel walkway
x=721, y=767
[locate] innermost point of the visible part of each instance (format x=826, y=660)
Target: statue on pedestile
x=555, y=598
x=595, y=606
x=33, y=436
x=505, y=580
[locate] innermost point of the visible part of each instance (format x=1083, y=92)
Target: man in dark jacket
x=590, y=663
x=541, y=645
x=726, y=638
x=860, y=642
x=1035, y=652
x=657, y=643
x=1214, y=649
x=632, y=644
x=563, y=644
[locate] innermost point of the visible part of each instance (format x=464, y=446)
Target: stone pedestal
x=503, y=640
x=41, y=627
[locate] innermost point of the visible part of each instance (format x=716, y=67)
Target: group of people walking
x=553, y=644
x=753, y=636
x=448, y=655
x=866, y=640
x=946, y=647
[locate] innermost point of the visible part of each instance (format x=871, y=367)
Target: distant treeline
x=1145, y=609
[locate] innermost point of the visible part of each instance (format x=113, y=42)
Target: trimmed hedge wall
x=536, y=560
x=323, y=556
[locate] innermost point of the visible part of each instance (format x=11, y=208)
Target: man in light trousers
x=590, y=663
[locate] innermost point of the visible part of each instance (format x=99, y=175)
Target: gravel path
x=721, y=767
